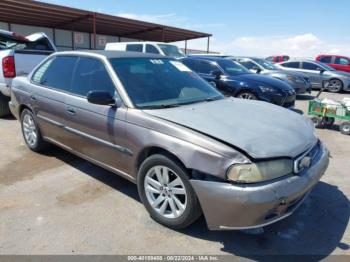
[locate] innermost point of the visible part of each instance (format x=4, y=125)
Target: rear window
x=134, y=48
x=40, y=45
x=56, y=73
x=291, y=64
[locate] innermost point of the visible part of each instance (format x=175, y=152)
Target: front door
x=95, y=131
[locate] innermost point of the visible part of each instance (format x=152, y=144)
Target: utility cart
x=325, y=112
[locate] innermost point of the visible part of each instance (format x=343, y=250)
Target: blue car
x=232, y=79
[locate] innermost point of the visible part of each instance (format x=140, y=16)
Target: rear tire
x=31, y=132
x=166, y=192
x=345, y=128
x=4, y=106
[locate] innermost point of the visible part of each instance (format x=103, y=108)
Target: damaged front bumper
x=229, y=206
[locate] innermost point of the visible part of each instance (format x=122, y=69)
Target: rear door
x=95, y=131
x=50, y=85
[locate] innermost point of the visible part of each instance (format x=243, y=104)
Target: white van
x=147, y=47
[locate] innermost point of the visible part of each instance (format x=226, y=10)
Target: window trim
x=117, y=96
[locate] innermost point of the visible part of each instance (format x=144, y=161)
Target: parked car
x=18, y=56
x=341, y=63
x=278, y=58
x=150, y=119
x=319, y=72
x=164, y=49
x=232, y=79
x=299, y=81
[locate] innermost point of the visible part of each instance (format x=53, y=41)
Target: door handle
x=33, y=98
x=70, y=110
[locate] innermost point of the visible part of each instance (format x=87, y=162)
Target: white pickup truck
x=18, y=56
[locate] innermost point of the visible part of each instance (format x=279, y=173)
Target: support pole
x=208, y=44
x=94, y=30
x=163, y=34
x=186, y=47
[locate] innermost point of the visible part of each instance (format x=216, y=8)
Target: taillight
x=8, y=66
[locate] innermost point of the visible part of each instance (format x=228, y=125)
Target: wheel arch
x=154, y=150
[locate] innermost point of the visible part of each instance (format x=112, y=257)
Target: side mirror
x=100, y=98
x=320, y=69
x=256, y=69
x=216, y=73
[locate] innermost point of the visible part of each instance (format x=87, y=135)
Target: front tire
x=247, y=95
x=166, y=192
x=335, y=86
x=31, y=132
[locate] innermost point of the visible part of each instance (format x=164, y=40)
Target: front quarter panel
x=196, y=151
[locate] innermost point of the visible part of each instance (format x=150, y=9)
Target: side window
x=151, y=49
x=342, y=61
x=189, y=63
x=56, y=73
x=134, y=48
x=291, y=64
x=91, y=74
x=247, y=64
x=278, y=59
x=309, y=66
x=206, y=67
x=285, y=58
x=326, y=59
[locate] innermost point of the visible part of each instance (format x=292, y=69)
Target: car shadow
x=315, y=230
x=305, y=97
x=8, y=117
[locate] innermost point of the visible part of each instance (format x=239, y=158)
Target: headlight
x=261, y=171
x=292, y=78
x=266, y=89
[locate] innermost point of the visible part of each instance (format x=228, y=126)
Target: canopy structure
x=61, y=17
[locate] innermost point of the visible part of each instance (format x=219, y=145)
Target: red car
x=277, y=58
x=341, y=63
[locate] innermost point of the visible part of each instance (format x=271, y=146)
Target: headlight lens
x=266, y=89
x=291, y=78
x=261, y=171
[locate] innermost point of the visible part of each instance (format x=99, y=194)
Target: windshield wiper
x=160, y=106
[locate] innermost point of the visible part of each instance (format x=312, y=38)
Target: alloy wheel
x=335, y=86
x=165, y=192
x=29, y=130
x=247, y=95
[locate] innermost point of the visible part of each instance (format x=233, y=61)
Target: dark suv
x=232, y=79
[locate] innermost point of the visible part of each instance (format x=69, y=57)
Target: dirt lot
x=59, y=204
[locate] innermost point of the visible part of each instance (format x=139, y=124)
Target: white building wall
x=4, y=26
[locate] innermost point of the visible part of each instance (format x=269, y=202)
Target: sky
x=299, y=28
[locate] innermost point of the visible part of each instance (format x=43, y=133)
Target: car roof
x=207, y=58
x=112, y=54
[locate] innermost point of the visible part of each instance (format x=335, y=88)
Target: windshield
x=171, y=50
x=160, y=83
x=265, y=64
x=232, y=68
x=327, y=67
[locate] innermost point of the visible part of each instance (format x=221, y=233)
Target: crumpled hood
x=260, y=129
x=262, y=80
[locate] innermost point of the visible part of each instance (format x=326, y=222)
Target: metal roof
x=55, y=16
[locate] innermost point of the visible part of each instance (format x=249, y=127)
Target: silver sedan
x=319, y=72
